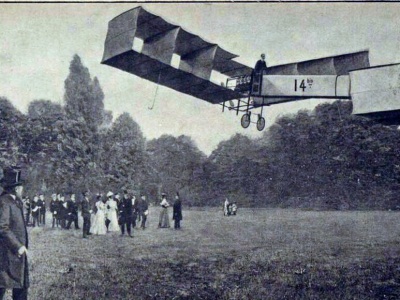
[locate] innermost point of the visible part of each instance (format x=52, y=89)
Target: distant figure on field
x=86, y=214
x=35, y=211
x=111, y=215
x=72, y=212
x=135, y=211
x=143, y=211
x=234, y=208
x=42, y=215
x=226, y=205
x=54, y=210
x=99, y=220
x=63, y=211
x=163, y=222
x=14, y=237
x=177, y=212
x=125, y=214
x=27, y=205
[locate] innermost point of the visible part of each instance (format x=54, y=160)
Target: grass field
x=258, y=254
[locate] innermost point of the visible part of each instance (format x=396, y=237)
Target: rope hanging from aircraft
x=155, y=94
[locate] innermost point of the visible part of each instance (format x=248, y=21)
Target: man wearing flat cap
x=13, y=237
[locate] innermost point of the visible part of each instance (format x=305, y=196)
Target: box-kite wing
x=159, y=41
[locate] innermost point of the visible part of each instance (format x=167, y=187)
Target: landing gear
x=260, y=123
x=245, y=121
x=246, y=118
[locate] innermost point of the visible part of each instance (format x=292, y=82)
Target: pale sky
x=38, y=42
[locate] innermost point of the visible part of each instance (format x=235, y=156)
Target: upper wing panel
x=332, y=65
x=161, y=40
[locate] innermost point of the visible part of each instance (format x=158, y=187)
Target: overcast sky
x=38, y=42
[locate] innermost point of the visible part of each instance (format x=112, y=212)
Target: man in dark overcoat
x=125, y=209
x=72, y=212
x=63, y=212
x=13, y=237
x=177, y=212
x=86, y=211
x=54, y=210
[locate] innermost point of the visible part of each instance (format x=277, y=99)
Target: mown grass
x=258, y=254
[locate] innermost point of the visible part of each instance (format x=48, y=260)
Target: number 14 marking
x=302, y=85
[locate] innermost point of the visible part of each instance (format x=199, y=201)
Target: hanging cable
x=155, y=94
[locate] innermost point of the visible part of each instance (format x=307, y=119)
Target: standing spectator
x=14, y=237
x=230, y=209
x=59, y=210
x=163, y=221
x=117, y=198
x=42, y=216
x=226, y=205
x=99, y=221
x=35, y=211
x=143, y=211
x=125, y=214
x=107, y=214
x=112, y=217
x=86, y=214
x=177, y=212
x=63, y=212
x=72, y=212
x=234, y=208
x=135, y=210
x=54, y=203
x=27, y=205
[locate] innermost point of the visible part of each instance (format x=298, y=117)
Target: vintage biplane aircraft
x=148, y=46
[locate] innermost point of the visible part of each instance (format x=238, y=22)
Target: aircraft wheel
x=260, y=124
x=245, y=121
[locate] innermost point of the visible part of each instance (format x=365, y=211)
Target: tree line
x=325, y=158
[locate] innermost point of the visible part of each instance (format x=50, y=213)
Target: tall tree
x=12, y=121
x=123, y=157
x=40, y=143
x=177, y=162
x=79, y=138
x=83, y=96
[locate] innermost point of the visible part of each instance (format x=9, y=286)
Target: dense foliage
x=325, y=158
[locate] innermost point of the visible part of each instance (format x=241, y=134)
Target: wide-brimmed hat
x=110, y=194
x=11, y=177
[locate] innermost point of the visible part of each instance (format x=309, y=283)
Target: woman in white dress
x=112, y=208
x=99, y=220
x=226, y=205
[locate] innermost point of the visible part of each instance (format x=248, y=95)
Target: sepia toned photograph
x=199, y=150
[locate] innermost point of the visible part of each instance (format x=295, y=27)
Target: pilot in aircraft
x=261, y=64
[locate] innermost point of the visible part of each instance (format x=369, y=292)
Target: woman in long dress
x=164, y=220
x=99, y=220
x=226, y=205
x=112, y=208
